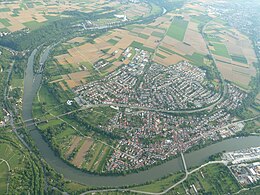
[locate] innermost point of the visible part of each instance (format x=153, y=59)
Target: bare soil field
x=238, y=75
x=169, y=60
x=74, y=143
x=75, y=79
x=79, y=158
x=178, y=45
x=77, y=40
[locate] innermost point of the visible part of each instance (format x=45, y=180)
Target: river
x=32, y=83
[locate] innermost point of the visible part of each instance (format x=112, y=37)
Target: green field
x=220, y=50
x=13, y=157
x=23, y=6
x=17, y=83
x=33, y=24
x=240, y=59
x=143, y=36
x=4, y=30
x=214, y=38
x=166, y=50
x=94, y=153
x=212, y=179
x=4, y=9
x=155, y=9
x=3, y=176
x=161, y=185
x=157, y=34
x=201, y=19
x=112, y=41
x=160, y=55
x=177, y=29
x=141, y=46
x=46, y=97
x=5, y=22
x=98, y=116
x=38, y=3
x=196, y=58
x=131, y=27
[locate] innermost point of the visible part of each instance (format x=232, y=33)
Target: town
x=142, y=92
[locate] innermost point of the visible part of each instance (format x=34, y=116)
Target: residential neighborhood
x=151, y=135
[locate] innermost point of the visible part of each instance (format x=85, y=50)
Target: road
x=184, y=163
x=9, y=169
x=131, y=107
x=157, y=193
x=125, y=106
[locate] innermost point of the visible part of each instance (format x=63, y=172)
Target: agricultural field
x=178, y=29
x=18, y=15
x=158, y=37
x=182, y=40
x=233, y=51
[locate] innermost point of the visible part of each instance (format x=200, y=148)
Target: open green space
x=29, y=5
x=17, y=83
x=157, y=34
x=240, y=59
x=33, y=24
x=131, y=27
x=52, y=18
x=94, y=154
x=112, y=41
x=161, y=185
x=23, y=6
x=4, y=30
x=213, y=38
x=201, y=19
x=5, y=22
x=143, y=36
x=141, y=46
x=177, y=29
x=98, y=116
x=46, y=97
x=155, y=9
x=196, y=58
x=214, y=179
x=165, y=49
x=38, y=3
x=68, y=131
x=6, y=9
x=14, y=158
x=4, y=172
x=160, y=55
x=220, y=50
